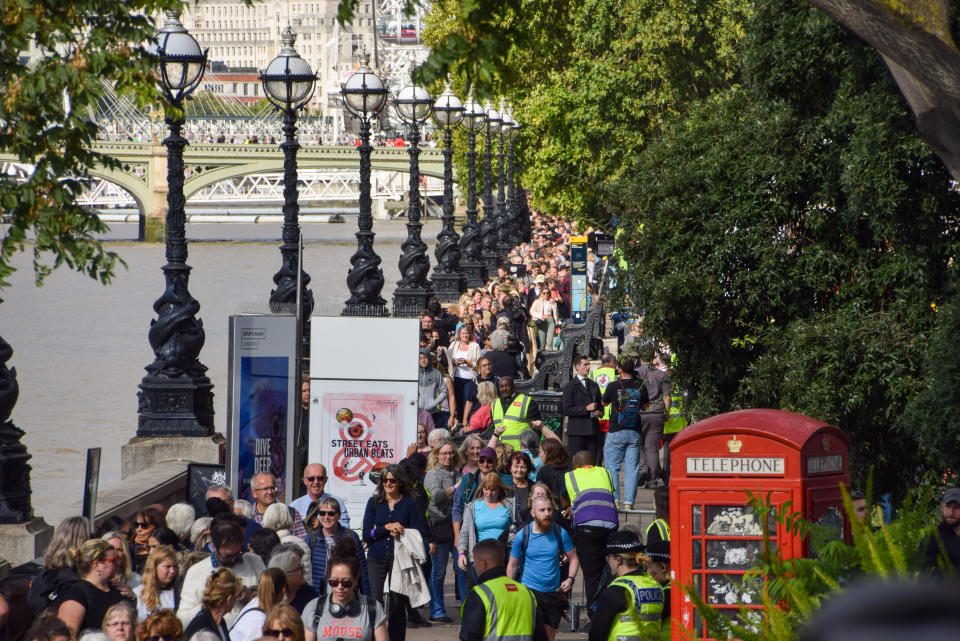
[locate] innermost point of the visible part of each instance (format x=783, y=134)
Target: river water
x=80, y=347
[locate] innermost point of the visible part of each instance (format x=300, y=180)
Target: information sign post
x=578, y=278
x=262, y=388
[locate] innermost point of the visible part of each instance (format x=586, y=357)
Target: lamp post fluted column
x=448, y=278
x=474, y=118
x=488, y=226
x=288, y=83
x=285, y=279
x=503, y=221
x=414, y=290
x=176, y=396
x=364, y=95
x=513, y=210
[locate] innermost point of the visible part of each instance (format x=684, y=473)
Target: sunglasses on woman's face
x=346, y=583
x=285, y=632
x=326, y=513
x=484, y=459
x=389, y=481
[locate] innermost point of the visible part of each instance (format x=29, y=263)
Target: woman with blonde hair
x=270, y=592
x=120, y=621
x=219, y=596
x=283, y=623
x=482, y=418
x=156, y=589
x=634, y=599
x=87, y=601
x=486, y=517
x=59, y=566
x=125, y=578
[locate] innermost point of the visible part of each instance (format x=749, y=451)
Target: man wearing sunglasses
x=315, y=480
x=264, y=489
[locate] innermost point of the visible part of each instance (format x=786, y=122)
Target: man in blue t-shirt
x=543, y=559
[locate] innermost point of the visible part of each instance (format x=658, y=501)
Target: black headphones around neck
x=339, y=611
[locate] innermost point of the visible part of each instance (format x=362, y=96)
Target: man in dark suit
x=582, y=407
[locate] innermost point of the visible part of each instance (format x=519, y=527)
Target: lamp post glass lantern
x=176, y=396
x=364, y=95
x=488, y=226
x=474, y=119
x=413, y=105
x=288, y=83
x=448, y=277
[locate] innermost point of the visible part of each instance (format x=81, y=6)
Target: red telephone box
x=715, y=536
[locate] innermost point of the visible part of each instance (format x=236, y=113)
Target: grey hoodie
x=431, y=389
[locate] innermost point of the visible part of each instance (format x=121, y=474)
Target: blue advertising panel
x=262, y=389
x=578, y=278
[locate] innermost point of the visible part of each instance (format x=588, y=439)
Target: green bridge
x=143, y=170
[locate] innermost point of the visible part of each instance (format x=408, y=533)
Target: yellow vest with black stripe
x=641, y=621
x=511, y=609
x=675, y=419
x=607, y=375
x=514, y=420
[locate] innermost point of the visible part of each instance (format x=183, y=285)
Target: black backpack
x=49, y=588
x=525, y=540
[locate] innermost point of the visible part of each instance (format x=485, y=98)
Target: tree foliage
x=917, y=41
x=45, y=107
x=591, y=82
x=798, y=245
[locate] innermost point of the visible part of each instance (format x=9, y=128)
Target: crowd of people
x=488, y=489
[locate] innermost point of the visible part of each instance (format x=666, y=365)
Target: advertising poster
x=262, y=390
x=362, y=418
x=359, y=432
x=578, y=278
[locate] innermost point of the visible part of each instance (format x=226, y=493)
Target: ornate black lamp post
x=414, y=290
x=474, y=118
x=176, y=397
x=15, y=506
x=488, y=226
x=288, y=83
x=514, y=226
x=448, y=279
x=364, y=95
x=503, y=216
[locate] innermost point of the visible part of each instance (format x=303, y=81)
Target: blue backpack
x=630, y=406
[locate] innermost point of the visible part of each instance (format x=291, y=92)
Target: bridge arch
x=207, y=178
x=137, y=188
